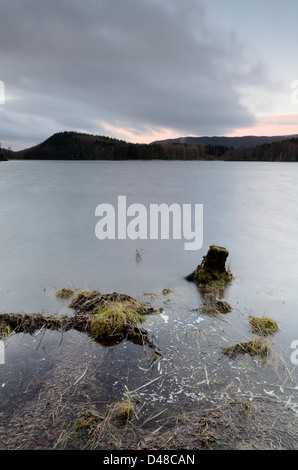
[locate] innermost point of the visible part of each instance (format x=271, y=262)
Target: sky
x=146, y=70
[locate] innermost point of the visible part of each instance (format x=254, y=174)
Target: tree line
x=74, y=146
x=284, y=151
x=78, y=146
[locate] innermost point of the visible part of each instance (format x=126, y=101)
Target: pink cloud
x=270, y=125
x=134, y=137
x=265, y=126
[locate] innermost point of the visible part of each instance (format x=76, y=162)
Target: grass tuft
x=64, y=293
x=254, y=347
x=263, y=326
x=5, y=330
x=114, y=319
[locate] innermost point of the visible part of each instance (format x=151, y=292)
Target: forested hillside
x=75, y=146
x=78, y=146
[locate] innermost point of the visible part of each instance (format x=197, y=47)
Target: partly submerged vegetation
x=212, y=273
x=107, y=318
x=125, y=409
x=212, y=277
x=128, y=420
x=111, y=320
x=5, y=330
x=234, y=424
x=263, y=325
x=64, y=293
x=254, y=347
x=214, y=306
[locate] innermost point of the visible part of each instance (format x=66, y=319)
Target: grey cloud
x=132, y=63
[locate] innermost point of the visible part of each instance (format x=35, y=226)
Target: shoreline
x=72, y=404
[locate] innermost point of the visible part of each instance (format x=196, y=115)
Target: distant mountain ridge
x=235, y=142
x=71, y=145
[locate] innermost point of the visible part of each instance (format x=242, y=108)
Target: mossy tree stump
x=212, y=271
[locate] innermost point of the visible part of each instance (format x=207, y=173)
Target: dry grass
x=263, y=326
x=125, y=409
x=214, y=306
x=89, y=301
x=5, y=330
x=166, y=291
x=230, y=424
x=64, y=293
x=254, y=347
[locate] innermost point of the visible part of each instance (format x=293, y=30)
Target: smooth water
x=47, y=227
x=47, y=241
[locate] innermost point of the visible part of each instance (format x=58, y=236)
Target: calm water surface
x=47, y=230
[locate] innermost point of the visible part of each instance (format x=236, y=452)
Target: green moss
x=212, y=273
x=108, y=318
x=115, y=319
x=263, y=326
x=219, y=249
x=214, y=279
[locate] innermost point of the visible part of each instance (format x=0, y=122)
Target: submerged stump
x=212, y=271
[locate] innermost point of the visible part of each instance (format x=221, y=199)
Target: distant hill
x=4, y=154
x=79, y=146
x=235, y=142
x=284, y=151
